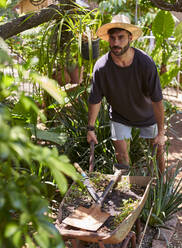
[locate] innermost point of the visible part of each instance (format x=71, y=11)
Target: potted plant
x=90, y=45
x=83, y=26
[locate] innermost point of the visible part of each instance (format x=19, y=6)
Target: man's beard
x=120, y=50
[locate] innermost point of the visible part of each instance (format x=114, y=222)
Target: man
x=127, y=77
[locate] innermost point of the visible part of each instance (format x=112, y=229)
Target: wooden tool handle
x=87, y=183
x=79, y=169
x=91, y=160
x=110, y=186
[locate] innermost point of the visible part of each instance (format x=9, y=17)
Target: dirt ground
x=175, y=153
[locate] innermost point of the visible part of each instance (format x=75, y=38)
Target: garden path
x=175, y=153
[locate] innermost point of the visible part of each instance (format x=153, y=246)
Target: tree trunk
x=31, y=20
x=173, y=6
x=34, y=19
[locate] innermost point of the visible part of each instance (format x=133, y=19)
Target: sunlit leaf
x=17, y=239
x=63, y=166
x=7, y=80
x=2, y=3
x=163, y=24
x=27, y=108
x=30, y=242
x=51, y=87
x=178, y=32
x=60, y=180
x=4, y=151
x=10, y=229
x=24, y=218
x=18, y=133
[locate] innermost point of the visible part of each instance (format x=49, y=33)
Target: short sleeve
x=96, y=94
x=153, y=82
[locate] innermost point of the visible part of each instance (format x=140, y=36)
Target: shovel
x=87, y=183
x=92, y=218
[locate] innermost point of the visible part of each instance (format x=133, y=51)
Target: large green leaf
x=166, y=78
x=30, y=242
x=63, y=166
x=163, y=25
x=178, y=32
x=11, y=228
x=17, y=239
x=57, y=138
x=60, y=180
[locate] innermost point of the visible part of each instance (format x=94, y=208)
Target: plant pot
x=95, y=49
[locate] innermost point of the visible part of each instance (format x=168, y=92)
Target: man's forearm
x=93, y=111
x=158, y=108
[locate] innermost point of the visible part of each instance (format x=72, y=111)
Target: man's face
x=119, y=42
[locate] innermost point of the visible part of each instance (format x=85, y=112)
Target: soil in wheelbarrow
x=120, y=203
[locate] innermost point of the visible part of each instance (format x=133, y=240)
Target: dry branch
x=162, y=4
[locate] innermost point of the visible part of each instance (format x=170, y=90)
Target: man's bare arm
x=158, y=108
x=93, y=111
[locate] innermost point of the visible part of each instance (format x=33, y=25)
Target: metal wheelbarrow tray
x=122, y=229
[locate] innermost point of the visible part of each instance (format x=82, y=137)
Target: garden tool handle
x=87, y=183
x=91, y=160
x=117, y=175
x=79, y=169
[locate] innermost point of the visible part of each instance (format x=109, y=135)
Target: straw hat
x=119, y=21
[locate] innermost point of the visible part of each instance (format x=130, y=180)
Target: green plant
x=163, y=28
x=128, y=206
x=83, y=25
x=23, y=193
x=170, y=109
x=73, y=120
x=24, y=201
x=167, y=198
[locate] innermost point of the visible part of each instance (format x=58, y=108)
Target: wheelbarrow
x=122, y=234
x=123, y=229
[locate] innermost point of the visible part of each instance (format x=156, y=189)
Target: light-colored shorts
x=121, y=132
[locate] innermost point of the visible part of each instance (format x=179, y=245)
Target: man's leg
x=120, y=135
x=121, y=151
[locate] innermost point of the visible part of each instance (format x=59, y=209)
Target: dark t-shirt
x=129, y=90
